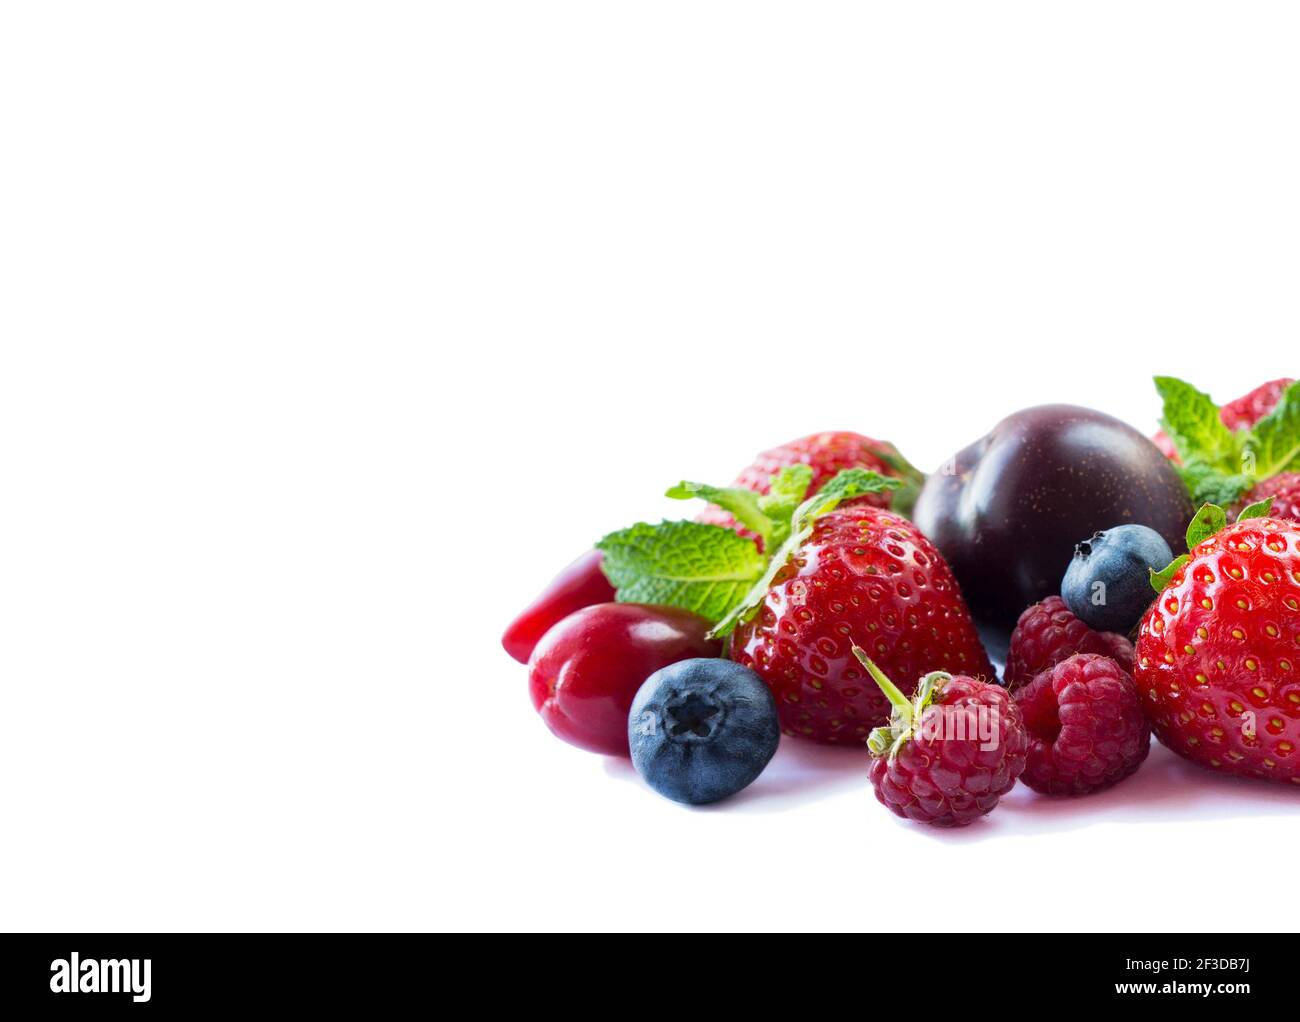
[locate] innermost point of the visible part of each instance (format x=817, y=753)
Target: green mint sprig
x=713, y=570
x=848, y=483
x=904, y=498
x=699, y=567
x=1219, y=464
x=768, y=514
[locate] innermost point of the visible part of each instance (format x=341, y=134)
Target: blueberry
x=1107, y=585
x=702, y=729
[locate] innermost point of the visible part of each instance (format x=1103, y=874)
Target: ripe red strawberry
x=1242, y=413
x=950, y=752
x=1248, y=409
x=1285, y=491
x=866, y=575
x=826, y=454
x=1048, y=633
x=1085, y=724
x=1218, y=665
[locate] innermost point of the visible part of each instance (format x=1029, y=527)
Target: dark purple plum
x=1008, y=510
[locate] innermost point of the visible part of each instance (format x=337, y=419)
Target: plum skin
x=1007, y=511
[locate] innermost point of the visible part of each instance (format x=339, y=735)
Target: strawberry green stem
x=901, y=704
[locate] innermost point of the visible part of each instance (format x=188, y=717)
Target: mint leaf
x=791, y=483
x=1273, y=446
x=904, y=499
x=783, y=498
x=1160, y=579
x=849, y=483
x=1209, y=485
x=703, y=568
x=742, y=503
x=1192, y=422
x=1209, y=519
x=1260, y=509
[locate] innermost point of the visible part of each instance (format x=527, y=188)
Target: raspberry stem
x=901, y=704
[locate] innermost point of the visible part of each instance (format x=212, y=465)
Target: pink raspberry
x=1048, y=633
x=1086, y=726
x=949, y=752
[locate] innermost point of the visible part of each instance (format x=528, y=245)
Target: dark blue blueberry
x=702, y=729
x=1108, y=585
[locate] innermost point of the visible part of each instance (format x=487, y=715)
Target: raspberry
x=1118, y=649
x=950, y=752
x=1048, y=633
x=1086, y=726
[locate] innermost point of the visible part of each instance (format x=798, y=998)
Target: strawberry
x=1218, y=654
x=1240, y=414
x=1161, y=439
x=1247, y=410
x=583, y=583
x=823, y=576
x=1283, y=490
x=826, y=454
x=1228, y=455
x=868, y=575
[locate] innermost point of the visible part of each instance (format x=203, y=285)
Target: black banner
x=142, y=974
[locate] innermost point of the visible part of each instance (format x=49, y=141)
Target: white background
x=330, y=331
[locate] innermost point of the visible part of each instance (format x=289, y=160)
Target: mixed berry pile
x=835, y=593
